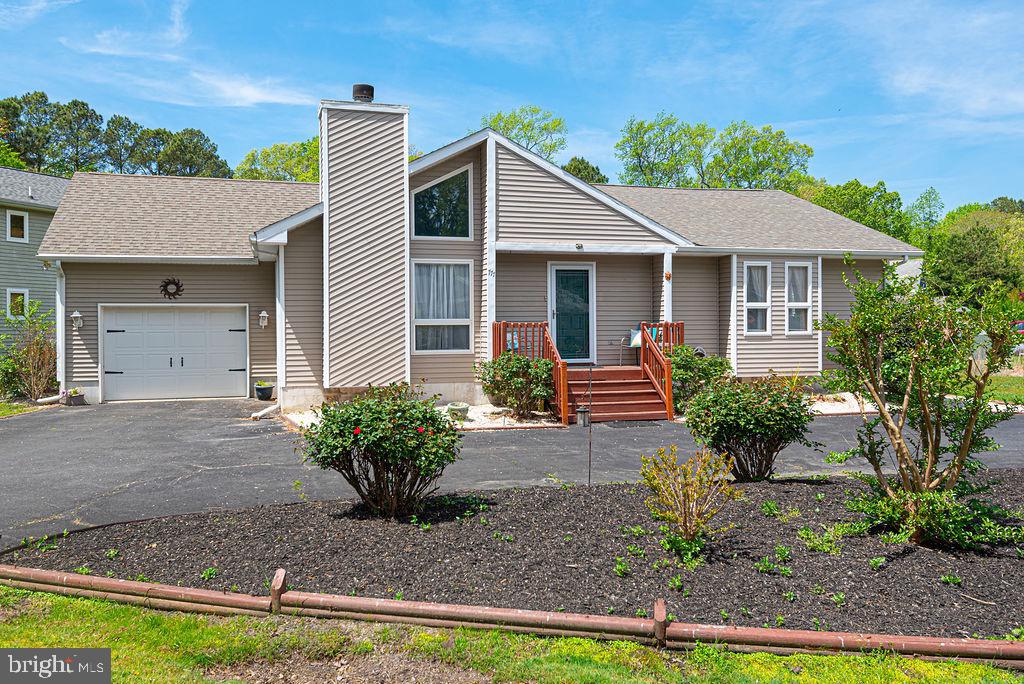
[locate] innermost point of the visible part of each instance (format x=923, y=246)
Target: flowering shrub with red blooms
x=390, y=444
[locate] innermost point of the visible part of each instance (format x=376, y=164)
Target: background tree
x=672, y=153
x=10, y=158
x=147, y=154
x=872, y=205
x=925, y=214
x=298, y=161
x=975, y=248
x=584, y=170
x=537, y=130
x=28, y=121
x=121, y=140
x=77, y=142
x=190, y=152
x=1008, y=205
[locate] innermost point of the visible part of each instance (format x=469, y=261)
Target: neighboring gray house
x=392, y=270
x=27, y=203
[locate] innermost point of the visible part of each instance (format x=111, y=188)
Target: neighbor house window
x=443, y=209
x=17, y=302
x=441, y=306
x=17, y=226
x=757, y=278
x=798, y=298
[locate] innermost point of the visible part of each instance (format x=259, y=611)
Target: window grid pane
x=757, y=320
x=757, y=284
x=799, y=319
x=442, y=210
x=797, y=290
x=442, y=338
x=17, y=226
x=441, y=291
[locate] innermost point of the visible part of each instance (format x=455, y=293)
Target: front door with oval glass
x=571, y=295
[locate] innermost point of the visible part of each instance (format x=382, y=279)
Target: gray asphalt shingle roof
x=105, y=214
x=752, y=219
x=31, y=189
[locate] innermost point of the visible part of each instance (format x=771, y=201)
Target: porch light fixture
x=579, y=245
x=76, y=320
x=264, y=319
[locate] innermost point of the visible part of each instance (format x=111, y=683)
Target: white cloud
x=161, y=45
x=234, y=90
x=14, y=15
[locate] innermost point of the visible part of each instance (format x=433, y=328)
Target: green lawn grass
x=153, y=646
x=7, y=409
x=1008, y=388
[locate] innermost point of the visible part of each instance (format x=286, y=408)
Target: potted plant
x=264, y=390
x=459, y=410
x=74, y=397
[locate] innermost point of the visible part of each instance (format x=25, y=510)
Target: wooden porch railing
x=533, y=340
x=655, y=363
x=670, y=334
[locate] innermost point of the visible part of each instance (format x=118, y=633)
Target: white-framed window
x=17, y=226
x=442, y=306
x=17, y=302
x=757, y=297
x=443, y=209
x=798, y=298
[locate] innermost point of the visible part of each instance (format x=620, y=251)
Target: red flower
x=419, y=429
x=356, y=431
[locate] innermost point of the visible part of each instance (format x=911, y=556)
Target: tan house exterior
x=391, y=270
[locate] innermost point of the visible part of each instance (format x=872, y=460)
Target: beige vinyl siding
x=366, y=270
x=837, y=298
x=760, y=355
x=725, y=307
x=695, y=300
x=86, y=286
x=441, y=368
x=624, y=296
x=19, y=267
x=304, y=306
x=535, y=206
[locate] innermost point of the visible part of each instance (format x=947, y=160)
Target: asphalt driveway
x=75, y=467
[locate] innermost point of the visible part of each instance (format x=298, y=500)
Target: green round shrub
x=692, y=373
x=390, y=444
x=750, y=421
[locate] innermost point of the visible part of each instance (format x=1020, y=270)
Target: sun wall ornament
x=171, y=288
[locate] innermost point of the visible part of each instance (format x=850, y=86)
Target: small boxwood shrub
x=692, y=373
x=517, y=381
x=751, y=422
x=390, y=444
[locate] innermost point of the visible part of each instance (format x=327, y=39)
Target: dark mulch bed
x=554, y=548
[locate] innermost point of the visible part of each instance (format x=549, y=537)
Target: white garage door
x=174, y=352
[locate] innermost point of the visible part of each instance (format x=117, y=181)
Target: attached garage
x=174, y=351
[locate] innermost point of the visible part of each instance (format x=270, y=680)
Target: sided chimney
x=362, y=92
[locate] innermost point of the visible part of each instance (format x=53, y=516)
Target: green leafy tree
x=912, y=358
x=584, y=170
x=28, y=121
x=190, y=152
x=1008, y=205
x=8, y=157
x=976, y=251
x=925, y=214
x=672, y=153
x=121, y=140
x=77, y=143
x=146, y=157
x=298, y=161
x=873, y=205
x=536, y=129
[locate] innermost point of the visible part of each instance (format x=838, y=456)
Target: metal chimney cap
x=362, y=92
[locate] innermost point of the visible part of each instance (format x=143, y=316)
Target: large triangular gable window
x=443, y=209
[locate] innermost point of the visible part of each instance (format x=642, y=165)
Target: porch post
x=666, y=287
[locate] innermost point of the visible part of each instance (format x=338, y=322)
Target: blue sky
x=913, y=93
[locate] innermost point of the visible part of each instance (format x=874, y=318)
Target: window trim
x=441, y=321
x=23, y=214
x=807, y=306
x=7, y=303
x=767, y=305
x=412, y=206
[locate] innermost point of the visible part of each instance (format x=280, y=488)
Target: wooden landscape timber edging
x=657, y=631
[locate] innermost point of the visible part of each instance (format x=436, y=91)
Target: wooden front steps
x=614, y=393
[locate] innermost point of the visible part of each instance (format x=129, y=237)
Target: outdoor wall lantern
x=76, y=320
x=264, y=319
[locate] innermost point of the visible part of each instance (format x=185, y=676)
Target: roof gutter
x=147, y=259
x=782, y=251
x=49, y=209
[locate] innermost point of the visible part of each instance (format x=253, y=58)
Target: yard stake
x=660, y=617
x=277, y=587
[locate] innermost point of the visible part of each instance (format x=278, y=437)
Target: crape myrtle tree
x=918, y=360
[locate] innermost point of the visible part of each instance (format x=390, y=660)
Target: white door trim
x=146, y=305
x=590, y=266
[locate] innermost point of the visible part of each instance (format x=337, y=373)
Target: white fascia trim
x=771, y=251
x=490, y=241
x=408, y=249
x=60, y=326
x=589, y=189
x=821, y=317
x=571, y=248
x=147, y=259
x=362, y=107
x=280, y=328
x=450, y=150
x=733, y=327
x=666, y=265
x=277, y=233
x=325, y=193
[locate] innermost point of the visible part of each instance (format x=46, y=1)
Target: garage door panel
x=174, y=353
